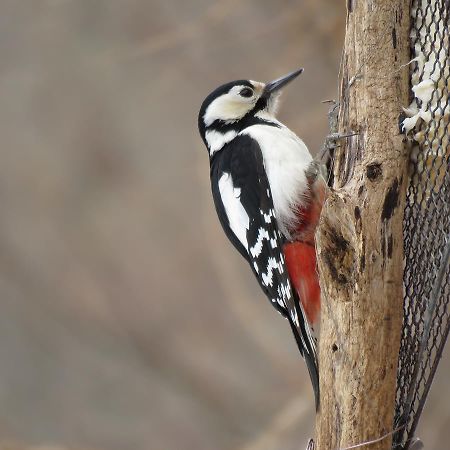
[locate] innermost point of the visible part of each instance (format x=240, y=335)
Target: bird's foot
x=313, y=171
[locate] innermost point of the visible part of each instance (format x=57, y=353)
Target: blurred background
x=127, y=321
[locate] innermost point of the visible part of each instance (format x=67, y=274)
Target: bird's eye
x=246, y=92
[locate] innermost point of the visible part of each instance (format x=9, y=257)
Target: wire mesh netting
x=426, y=320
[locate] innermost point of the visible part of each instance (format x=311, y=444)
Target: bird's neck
x=268, y=117
x=219, y=133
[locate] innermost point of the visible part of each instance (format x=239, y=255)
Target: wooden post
x=360, y=244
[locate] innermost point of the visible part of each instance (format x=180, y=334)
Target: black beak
x=277, y=84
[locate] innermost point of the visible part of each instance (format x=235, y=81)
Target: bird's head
x=232, y=106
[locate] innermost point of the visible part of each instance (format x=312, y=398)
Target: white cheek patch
x=237, y=215
x=217, y=140
x=227, y=107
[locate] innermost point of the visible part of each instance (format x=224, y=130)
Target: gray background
x=126, y=319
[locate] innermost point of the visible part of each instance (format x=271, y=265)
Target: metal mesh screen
x=427, y=215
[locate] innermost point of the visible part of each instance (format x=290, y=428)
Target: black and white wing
x=243, y=201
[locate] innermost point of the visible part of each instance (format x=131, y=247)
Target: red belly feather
x=300, y=255
x=302, y=268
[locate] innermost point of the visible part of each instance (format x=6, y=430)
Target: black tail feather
x=311, y=362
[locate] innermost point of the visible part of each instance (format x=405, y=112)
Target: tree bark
x=359, y=239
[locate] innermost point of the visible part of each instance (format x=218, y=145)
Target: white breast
x=286, y=159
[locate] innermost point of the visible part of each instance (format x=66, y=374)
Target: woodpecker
x=268, y=193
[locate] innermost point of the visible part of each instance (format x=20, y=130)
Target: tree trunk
x=359, y=240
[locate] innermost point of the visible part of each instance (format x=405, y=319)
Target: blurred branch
x=213, y=15
x=285, y=420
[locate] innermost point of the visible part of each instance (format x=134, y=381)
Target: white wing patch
x=237, y=215
x=267, y=217
x=267, y=278
x=257, y=248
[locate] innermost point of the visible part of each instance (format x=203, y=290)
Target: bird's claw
x=313, y=171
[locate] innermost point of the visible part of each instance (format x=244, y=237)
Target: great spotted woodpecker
x=268, y=194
